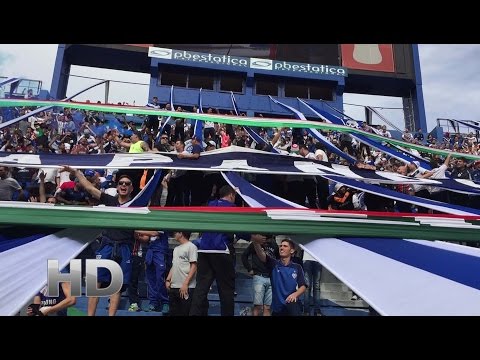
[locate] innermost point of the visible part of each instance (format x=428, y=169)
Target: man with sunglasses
x=163, y=145
x=116, y=244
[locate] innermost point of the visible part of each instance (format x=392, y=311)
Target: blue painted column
x=417, y=94
x=61, y=73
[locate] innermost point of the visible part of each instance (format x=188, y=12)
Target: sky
x=450, y=78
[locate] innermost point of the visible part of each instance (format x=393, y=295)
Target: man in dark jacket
x=216, y=263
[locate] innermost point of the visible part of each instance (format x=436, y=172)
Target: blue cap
x=89, y=172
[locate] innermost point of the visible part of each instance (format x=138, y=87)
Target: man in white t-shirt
x=181, y=280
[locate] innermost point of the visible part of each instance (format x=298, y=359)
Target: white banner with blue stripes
x=23, y=261
x=405, y=277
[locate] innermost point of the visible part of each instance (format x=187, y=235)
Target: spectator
x=152, y=121
x=342, y=199
x=115, y=244
x=216, y=263
x=136, y=145
x=156, y=261
x=288, y=279
x=44, y=305
x=313, y=273
x=262, y=287
x=419, y=136
x=181, y=279
x=8, y=185
x=138, y=266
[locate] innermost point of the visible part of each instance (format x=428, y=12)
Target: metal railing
x=453, y=127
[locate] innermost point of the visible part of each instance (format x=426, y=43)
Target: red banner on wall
x=375, y=57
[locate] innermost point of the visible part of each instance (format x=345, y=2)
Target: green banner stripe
x=234, y=120
x=228, y=222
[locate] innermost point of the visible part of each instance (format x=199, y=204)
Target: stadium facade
x=321, y=73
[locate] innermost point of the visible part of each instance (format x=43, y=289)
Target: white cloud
x=450, y=81
x=35, y=61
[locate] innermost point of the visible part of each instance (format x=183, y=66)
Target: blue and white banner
x=256, y=137
x=316, y=134
x=395, y=276
x=405, y=277
x=410, y=199
x=231, y=158
x=404, y=156
x=255, y=196
x=23, y=260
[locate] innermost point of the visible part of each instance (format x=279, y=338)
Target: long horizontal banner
x=410, y=199
x=281, y=221
x=227, y=119
x=232, y=158
x=244, y=63
x=256, y=197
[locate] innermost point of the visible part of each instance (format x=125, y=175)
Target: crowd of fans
x=84, y=132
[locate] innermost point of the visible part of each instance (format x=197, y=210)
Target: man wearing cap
x=116, y=244
x=211, y=145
